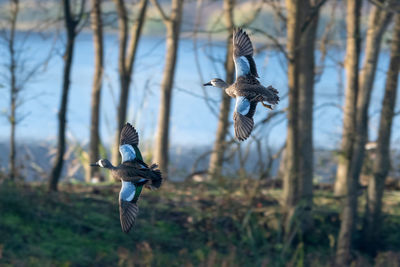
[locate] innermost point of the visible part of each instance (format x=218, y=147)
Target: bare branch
x=389, y=6
x=161, y=11
x=274, y=40
x=312, y=15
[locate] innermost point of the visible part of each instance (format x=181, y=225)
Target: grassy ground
x=184, y=224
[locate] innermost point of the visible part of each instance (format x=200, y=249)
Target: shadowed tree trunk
x=71, y=22
x=381, y=164
x=378, y=22
x=126, y=59
x=217, y=156
x=97, y=27
x=290, y=177
x=173, y=25
x=351, y=131
x=297, y=176
x=13, y=86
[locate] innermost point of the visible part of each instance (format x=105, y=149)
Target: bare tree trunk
x=70, y=25
x=126, y=59
x=297, y=177
x=305, y=115
x=13, y=87
x=173, y=25
x=290, y=178
x=378, y=22
x=381, y=164
x=97, y=26
x=350, y=134
x=217, y=156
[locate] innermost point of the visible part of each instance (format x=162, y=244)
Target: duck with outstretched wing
x=246, y=89
x=133, y=173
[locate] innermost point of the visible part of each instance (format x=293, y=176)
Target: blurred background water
x=192, y=122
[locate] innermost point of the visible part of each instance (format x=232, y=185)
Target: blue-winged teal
x=246, y=89
x=133, y=173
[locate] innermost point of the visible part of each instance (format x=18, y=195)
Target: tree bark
x=378, y=22
x=350, y=132
x=305, y=115
x=290, y=178
x=126, y=59
x=297, y=176
x=97, y=27
x=381, y=164
x=13, y=87
x=70, y=25
x=173, y=25
x=217, y=156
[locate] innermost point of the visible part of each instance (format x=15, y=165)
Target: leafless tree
x=19, y=70
x=378, y=22
x=71, y=22
x=173, y=25
x=217, y=155
x=97, y=27
x=381, y=165
x=351, y=131
x=126, y=60
x=302, y=21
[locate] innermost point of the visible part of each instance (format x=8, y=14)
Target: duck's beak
x=207, y=84
x=94, y=164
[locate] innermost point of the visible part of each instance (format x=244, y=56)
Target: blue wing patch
x=127, y=153
x=242, y=66
x=242, y=105
x=128, y=191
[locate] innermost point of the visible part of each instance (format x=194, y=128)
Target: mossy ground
x=184, y=224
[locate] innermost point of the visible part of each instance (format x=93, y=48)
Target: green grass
x=181, y=224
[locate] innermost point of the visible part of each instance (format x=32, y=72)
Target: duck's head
x=217, y=82
x=103, y=163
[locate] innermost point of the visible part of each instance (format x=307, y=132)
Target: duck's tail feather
x=272, y=96
x=156, y=177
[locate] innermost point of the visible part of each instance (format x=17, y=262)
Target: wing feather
x=242, y=45
x=129, y=135
x=127, y=213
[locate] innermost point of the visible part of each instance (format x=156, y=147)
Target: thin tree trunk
x=378, y=22
x=290, y=178
x=350, y=132
x=381, y=164
x=298, y=174
x=173, y=25
x=97, y=27
x=305, y=115
x=126, y=59
x=217, y=156
x=70, y=25
x=13, y=87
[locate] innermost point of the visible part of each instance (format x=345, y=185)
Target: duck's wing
x=128, y=212
x=243, y=54
x=243, y=117
x=128, y=209
x=129, y=138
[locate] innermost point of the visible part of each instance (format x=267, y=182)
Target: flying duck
x=246, y=89
x=133, y=173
